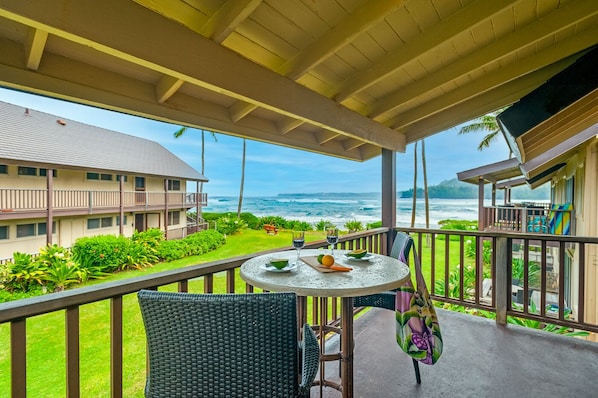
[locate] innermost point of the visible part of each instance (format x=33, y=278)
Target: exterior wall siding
x=76, y=199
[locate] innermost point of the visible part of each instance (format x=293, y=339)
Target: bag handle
x=419, y=277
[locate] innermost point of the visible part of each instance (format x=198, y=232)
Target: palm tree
x=179, y=133
x=413, y=207
x=426, y=196
x=242, y=179
x=485, y=123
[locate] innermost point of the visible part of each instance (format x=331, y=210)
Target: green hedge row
x=57, y=268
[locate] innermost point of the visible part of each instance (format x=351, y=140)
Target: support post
x=389, y=194
x=50, y=203
x=502, y=290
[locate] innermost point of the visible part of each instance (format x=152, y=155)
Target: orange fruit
x=327, y=260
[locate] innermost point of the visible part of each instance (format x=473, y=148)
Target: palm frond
x=487, y=140
x=180, y=132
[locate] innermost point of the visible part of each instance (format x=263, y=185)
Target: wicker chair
x=401, y=248
x=226, y=345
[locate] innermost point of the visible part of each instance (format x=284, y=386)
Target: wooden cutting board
x=312, y=261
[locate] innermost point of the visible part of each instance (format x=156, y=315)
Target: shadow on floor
x=480, y=359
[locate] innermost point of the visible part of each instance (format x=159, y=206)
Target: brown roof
x=31, y=137
x=491, y=173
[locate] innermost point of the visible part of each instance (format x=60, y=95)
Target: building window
x=41, y=228
x=118, y=178
x=44, y=173
x=3, y=169
x=174, y=185
x=140, y=183
x=99, y=177
x=95, y=223
x=174, y=217
x=24, y=230
x=3, y=231
x=118, y=220
x=27, y=171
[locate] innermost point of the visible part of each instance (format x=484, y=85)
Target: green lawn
x=45, y=333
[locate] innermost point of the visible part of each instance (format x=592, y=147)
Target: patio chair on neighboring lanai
x=401, y=248
x=226, y=345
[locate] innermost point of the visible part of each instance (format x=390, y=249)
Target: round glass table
x=378, y=274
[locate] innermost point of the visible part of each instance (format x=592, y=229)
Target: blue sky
x=272, y=169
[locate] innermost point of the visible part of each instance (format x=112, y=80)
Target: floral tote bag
x=418, y=330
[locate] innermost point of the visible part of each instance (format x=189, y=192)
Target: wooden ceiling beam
x=546, y=63
x=368, y=14
x=228, y=17
x=561, y=19
x=464, y=19
x=166, y=87
x=288, y=125
x=157, y=43
x=138, y=98
x=34, y=47
x=474, y=107
x=240, y=109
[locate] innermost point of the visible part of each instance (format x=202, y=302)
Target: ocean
x=339, y=208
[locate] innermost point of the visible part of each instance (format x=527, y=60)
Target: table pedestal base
x=345, y=355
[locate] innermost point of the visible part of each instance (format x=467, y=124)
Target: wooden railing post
x=502, y=288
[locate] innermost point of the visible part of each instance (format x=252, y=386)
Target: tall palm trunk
x=242, y=179
x=426, y=197
x=179, y=133
x=413, y=207
x=203, y=165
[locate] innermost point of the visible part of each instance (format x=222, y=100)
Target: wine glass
x=332, y=238
x=298, y=242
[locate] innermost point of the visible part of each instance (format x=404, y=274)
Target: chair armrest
x=310, y=360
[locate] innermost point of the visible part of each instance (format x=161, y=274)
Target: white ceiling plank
x=366, y=15
x=556, y=21
x=547, y=62
x=475, y=107
x=157, y=44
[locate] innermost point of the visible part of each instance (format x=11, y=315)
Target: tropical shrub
x=204, y=241
x=58, y=268
x=272, y=220
x=144, y=250
x=297, y=225
x=170, y=250
x=354, y=226
x=533, y=272
x=323, y=224
x=375, y=224
x=102, y=253
x=456, y=225
x=21, y=274
x=228, y=225
x=193, y=245
x=470, y=250
x=252, y=221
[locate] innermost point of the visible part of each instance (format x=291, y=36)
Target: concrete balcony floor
x=480, y=359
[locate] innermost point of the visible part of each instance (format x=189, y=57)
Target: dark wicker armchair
x=401, y=248
x=226, y=345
